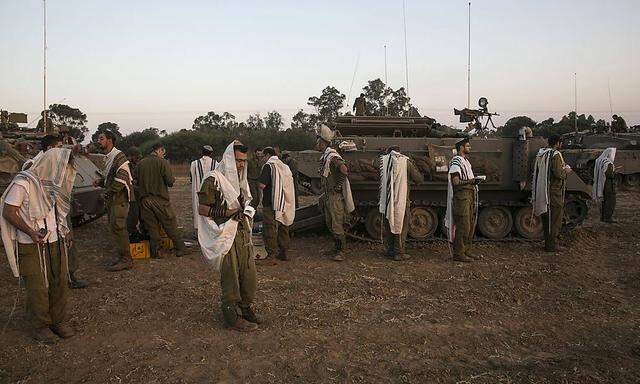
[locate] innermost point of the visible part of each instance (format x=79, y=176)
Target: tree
x=376, y=93
x=513, y=125
x=304, y=121
x=214, y=122
x=108, y=126
x=137, y=139
x=73, y=119
x=274, y=121
x=328, y=105
x=255, y=122
x=398, y=103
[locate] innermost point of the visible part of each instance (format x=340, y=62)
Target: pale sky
x=162, y=63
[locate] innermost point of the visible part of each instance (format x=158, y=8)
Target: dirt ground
x=518, y=316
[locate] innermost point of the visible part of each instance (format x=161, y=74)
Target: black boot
x=339, y=245
x=75, y=283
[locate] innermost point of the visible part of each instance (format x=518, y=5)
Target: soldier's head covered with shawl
x=603, y=162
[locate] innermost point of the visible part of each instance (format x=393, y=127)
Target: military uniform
x=154, y=177
x=117, y=202
x=609, y=194
x=360, y=105
x=238, y=269
x=333, y=204
x=275, y=234
x=464, y=214
x=552, y=221
x=395, y=244
x=253, y=171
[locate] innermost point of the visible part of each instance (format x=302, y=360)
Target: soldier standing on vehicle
x=618, y=125
x=117, y=182
x=336, y=200
x=396, y=171
x=549, y=185
x=360, y=105
x=153, y=176
x=604, y=184
x=462, y=203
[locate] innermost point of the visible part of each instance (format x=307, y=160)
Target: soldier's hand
x=37, y=237
x=231, y=212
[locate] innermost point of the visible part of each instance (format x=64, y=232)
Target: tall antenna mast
x=610, y=103
x=469, y=62
x=406, y=55
x=385, y=65
x=44, y=49
x=575, y=101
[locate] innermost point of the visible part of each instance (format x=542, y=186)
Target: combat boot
x=282, y=255
x=124, y=264
x=242, y=325
x=62, y=330
x=268, y=261
x=249, y=315
x=44, y=335
x=339, y=248
x=75, y=283
x=462, y=258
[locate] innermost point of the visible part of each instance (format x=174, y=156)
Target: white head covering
x=607, y=158
x=392, y=200
x=50, y=181
x=325, y=133
x=227, y=167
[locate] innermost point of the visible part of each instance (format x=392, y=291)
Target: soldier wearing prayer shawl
x=336, y=200
x=278, y=206
x=224, y=234
x=462, y=203
x=35, y=233
x=199, y=168
x=117, y=181
x=396, y=170
x=547, y=192
x=604, y=184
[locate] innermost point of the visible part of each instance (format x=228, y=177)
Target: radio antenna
x=44, y=76
x=469, y=61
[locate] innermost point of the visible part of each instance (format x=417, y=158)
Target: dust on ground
x=519, y=315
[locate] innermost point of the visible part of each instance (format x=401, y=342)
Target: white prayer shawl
x=461, y=166
x=216, y=240
x=607, y=158
x=541, y=184
x=328, y=155
x=111, y=156
x=27, y=164
x=282, y=191
x=49, y=181
x=199, y=168
x=393, y=190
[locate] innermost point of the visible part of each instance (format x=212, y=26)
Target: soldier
x=293, y=166
x=254, y=165
x=50, y=127
x=462, y=203
x=549, y=184
x=35, y=235
x=199, y=168
x=154, y=177
x=224, y=234
x=133, y=218
x=117, y=182
x=604, y=184
x=278, y=206
x=618, y=125
x=360, y=105
x=336, y=200
x=395, y=173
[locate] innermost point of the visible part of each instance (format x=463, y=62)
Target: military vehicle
x=505, y=209
x=583, y=148
x=87, y=202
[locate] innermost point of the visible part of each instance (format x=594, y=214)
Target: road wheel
x=575, y=212
x=373, y=223
x=631, y=181
x=527, y=225
x=495, y=222
x=424, y=223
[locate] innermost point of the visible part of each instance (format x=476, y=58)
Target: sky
x=163, y=63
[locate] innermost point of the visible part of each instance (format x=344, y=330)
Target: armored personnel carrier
x=583, y=148
x=505, y=210
x=19, y=144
